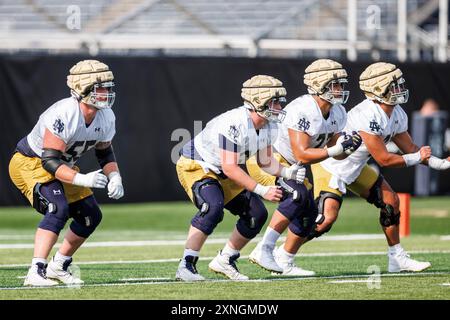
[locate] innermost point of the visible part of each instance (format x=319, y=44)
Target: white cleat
x=262, y=255
x=226, y=265
x=402, y=262
x=59, y=270
x=187, y=270
x=37, y=277
x=289, y=267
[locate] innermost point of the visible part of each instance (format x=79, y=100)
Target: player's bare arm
x=109, y=166
x=107, y=161
x=376, y=147
x=300, y=142
x=269, y=164
x=232, y=170
x=54, y=147
x=404, y=142
x=342, y=145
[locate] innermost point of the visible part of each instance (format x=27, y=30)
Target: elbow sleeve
x=105, y=156
x=51, y=160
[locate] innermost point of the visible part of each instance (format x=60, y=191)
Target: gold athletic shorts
x=189, y=171
x=25, y=172
x=322, y=178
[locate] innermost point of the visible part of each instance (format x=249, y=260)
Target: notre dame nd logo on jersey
x=233, y=132
x=303, y=124
x=374, y=126
x=58, y=126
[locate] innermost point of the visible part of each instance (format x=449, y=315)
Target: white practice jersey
x=303, y=114
x=370, y=118
x=234, y=131
x=65, y=120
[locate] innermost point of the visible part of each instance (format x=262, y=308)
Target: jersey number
x=77, y=150
x=322, y=137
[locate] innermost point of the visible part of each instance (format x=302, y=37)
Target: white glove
x=294, y=172
x=115, y=187
x=93, y=179
x=438, y=164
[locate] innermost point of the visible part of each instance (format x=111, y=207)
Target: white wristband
x=335, y=150
x=412, y=159
x=79, y=180
x=438, y=164
x=113, y=174
x=261, y=190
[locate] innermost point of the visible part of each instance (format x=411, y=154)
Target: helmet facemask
x=397, y=93
x=273, y=114
x=101, y=100
x=334, y=92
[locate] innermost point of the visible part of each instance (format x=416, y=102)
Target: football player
x=210, y=173
x=310, y=132
x=379, y=119
x=43, y=169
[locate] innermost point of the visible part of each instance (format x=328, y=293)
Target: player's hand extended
x=274, y=193
x=115, y=187
x=425, y=153
x=295, y=172
x=351, y=142
x=93, y=179
x=439, y=164
x=271, y=193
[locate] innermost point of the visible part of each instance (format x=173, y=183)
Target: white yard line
x=141, y=243
x=445, y=238
x=353, y=281
x=318, y=254
x=172, y=281
x=144, y=279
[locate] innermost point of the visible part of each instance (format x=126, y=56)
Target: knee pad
x=303, y=225
x=51, y=201
x=388, y=217
x=315, y=234
x=86, y=216
x=387, y=212
x=320, y=202
x=295, y=199
x=375, y=196
x=40, y=202
x=252, y=216
x=209, y=199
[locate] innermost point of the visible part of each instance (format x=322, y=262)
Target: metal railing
x=413, y=29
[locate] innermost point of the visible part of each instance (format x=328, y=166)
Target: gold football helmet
x=86, y=77
x=261, y=92
x=326, y=78
x=384, y=82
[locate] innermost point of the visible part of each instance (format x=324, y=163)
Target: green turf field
x=135, y=251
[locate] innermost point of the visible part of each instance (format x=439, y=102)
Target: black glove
x=351, y=142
